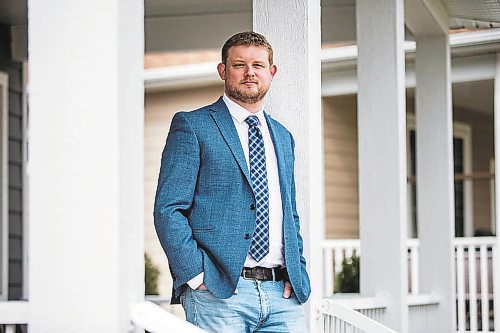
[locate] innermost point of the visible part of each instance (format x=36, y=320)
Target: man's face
x=247, y=73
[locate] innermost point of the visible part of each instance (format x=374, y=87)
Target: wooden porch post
x=382, y=156
x=85, y=164
x=293, y=28
x=434, y=156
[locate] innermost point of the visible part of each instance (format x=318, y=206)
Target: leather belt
x=265, y=274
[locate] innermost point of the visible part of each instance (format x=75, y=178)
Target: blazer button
x=252, y=206
x=247, y=236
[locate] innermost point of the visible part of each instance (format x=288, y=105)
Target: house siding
x=15, y=72
x=341, y=167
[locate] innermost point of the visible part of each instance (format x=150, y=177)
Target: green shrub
x=152, y=273
x=347, y=281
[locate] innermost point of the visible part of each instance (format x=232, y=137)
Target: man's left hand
x=287, y=291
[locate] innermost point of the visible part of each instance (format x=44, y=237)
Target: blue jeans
x=256, y=306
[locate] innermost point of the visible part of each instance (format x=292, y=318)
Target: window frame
x=461, y=131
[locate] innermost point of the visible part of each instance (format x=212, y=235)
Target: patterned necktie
x=258, y=174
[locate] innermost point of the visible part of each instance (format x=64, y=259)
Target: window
x=462, y=164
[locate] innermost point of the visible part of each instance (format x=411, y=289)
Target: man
x=225, y=209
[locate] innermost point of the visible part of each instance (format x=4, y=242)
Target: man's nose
x=249, y=71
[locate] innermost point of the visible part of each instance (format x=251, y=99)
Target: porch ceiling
x=169, y=23
x=202, y=24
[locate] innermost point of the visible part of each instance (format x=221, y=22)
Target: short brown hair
x=247, y=38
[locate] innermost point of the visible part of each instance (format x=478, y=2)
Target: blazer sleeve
x=180, y=164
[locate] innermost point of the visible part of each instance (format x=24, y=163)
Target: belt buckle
x=259, y=274
x=245, y=275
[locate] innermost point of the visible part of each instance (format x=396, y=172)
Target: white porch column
x=382, y=156
x=434, y=174
x=428, y=22
x=85, y=164
x=293, y=29
x=496, y=264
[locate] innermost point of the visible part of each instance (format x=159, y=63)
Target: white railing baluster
x=496, y=286
x=472, y=288
x=328, y=269
x=10, y=328
x=460, y=288
x=485, y=304
x=339, y=256
x=349, y=252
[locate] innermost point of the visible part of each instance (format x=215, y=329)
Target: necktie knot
x=252, y=121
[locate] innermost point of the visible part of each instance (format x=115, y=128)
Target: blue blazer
x=202, y=208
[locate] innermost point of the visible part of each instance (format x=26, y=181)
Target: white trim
x=346, y=53
x=410, y=125
x=459, y=40
x=496, y=119
x=357, y=301
x=475, y=38
x=423, y=299
x=25, y=180
x=492, y=197
x=4, y=186
x=342, y=80
x=464, y=132
x=185, y=76
x=14, y=312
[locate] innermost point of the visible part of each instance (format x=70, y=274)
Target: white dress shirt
x=275, y=256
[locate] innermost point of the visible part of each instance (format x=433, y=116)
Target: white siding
x=341, y=167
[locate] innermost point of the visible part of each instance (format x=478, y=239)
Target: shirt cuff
x=197, y=281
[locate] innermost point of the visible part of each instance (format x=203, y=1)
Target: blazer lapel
x=224, y=121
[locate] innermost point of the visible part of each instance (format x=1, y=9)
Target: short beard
x=245, y=98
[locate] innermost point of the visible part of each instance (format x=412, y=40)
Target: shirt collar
x=240, y=113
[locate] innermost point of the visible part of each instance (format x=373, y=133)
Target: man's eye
x=238, y=65
x=259, y=65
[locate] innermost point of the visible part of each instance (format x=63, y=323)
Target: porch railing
x=13, y=314
x=475, y=278
x=354, y=315
x=476, y=283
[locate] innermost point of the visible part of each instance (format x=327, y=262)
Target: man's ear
x=273, y=69
x=221, y=68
